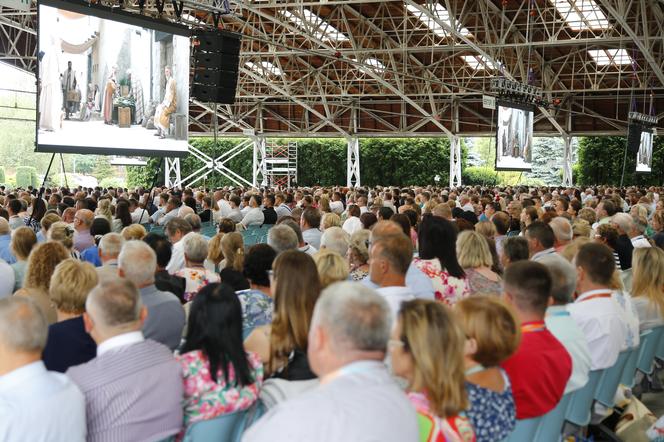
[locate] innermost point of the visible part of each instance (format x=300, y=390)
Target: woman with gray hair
x=194, y=271
x=358, y=255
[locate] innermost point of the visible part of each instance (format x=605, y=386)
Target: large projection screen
x=514, y=138
x=110, y=83
x=644, y=155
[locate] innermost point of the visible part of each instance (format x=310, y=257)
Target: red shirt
x=538, y=371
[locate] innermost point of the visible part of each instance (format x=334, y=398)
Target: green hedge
x=322, y=161
x=26, y=176
x=600, y=161
x=484, y=176
x=2, y=175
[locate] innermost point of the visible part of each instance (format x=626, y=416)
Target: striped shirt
x=133, y=393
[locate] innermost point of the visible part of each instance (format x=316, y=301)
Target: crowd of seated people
x=392, y=314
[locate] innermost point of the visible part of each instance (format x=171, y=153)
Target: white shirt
x=253, y=217
x=600, y=320
x=224, y=207
x=167, y=217
x=394, y=297
x=640, y=242
x=235, y=215
x=140, y=216
x=177, y=258
x=539, y=255
x=560, y=323
x=282, y=210
x=352, y=225
x=308, y=249
x=631, y=317
x=40, y=406
x=120, y=341
x=359, y=403
x=6, y=280
x=363, y=209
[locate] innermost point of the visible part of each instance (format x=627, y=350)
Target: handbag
x=634, y=422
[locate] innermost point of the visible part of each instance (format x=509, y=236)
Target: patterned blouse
x=492, y=413
x=448, y=289
x=196, y=278
x=205, y=399
x=256, y=310
x=435, y=429
x=480, y=284
x=358, y=274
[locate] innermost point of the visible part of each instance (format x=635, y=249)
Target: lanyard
x=560, y=313
x=532, y=327
x=598, y=295
x=475, y=369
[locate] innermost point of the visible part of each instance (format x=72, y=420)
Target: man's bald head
x=386, y=228
x=86, y=217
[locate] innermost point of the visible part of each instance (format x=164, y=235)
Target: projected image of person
x=110, y=78
x=109, y=93
x=514, y=138
x=69, y=90
x=167, y=107
x=50, y=97
x=644, y=155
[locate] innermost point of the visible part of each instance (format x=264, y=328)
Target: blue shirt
x=256, y=310
x=91, y=255
x=5, y=251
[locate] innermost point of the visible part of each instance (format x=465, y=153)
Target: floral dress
x=436, y=429
x=447, y=288
x=206, y=399
x=492, y=413
x=196, y=278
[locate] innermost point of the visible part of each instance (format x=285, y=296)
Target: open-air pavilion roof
x=404, y=68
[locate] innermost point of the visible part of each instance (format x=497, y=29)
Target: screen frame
x=121, y=16
x=649, y=131
x=513, y=105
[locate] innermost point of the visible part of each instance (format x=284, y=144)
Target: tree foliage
x=600, y=161
x=26, y=176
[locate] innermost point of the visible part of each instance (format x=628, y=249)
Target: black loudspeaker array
x=634, y=130
x=216, y=61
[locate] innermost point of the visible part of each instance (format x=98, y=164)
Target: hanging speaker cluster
x=216, y=61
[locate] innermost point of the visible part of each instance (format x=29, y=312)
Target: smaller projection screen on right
x=644, y=155
x=514, y=138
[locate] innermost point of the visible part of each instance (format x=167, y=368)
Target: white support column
x=455, y=161
x=172, y=176
x=455, y=148
x=567, y=165
x=353, y=162
x=567, y=156
x=259, y=174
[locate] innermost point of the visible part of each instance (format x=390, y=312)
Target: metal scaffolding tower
x=281, y=163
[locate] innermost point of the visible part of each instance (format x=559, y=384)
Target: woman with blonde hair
x=64, y=234
x=492, y=336
x=324, y=205
x=68, y=343
x=358, y=255
x=475, y=258
x=215, y=254
x=134, y=232
x=41, y=265
x=331, y=267
x=283, y=345
x=427, y=350
x=22, y=242
x=104, y=210
x=46, y=222
x=486, y=228
x=329, y=220
x=648, y=286
x=232, y=249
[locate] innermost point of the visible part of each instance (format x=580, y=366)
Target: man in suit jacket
x=138, y=262
x=133, y=388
